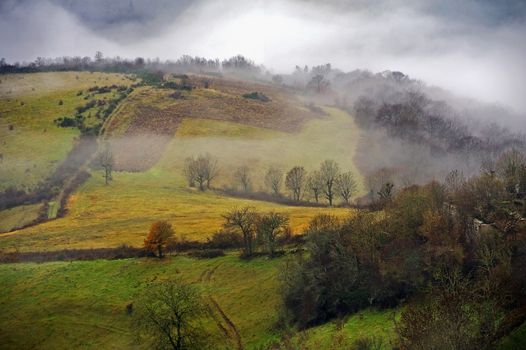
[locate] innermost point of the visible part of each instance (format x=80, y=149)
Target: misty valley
x=195, y=202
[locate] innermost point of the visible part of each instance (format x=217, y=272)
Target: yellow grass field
x=121, y=213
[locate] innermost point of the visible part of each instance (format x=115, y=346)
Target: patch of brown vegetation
x=148, y=119
x=284, y=111
x=143, y=143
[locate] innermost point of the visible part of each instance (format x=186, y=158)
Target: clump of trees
x=139, y=66
x=413, y=116
x=269, y=227
x=257, y=229
x=103, y=110
x=455, y=250
x=159, y=237
x=201, y=171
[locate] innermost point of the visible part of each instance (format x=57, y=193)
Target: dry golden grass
x=121, y=213
x=107, y=216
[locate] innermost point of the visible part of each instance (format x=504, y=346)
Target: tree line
x=184, y=64
x=327, y=182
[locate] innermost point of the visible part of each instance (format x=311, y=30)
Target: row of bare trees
x=326, y=182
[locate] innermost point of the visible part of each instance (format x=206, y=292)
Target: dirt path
x=69, y=185
x=223, y=322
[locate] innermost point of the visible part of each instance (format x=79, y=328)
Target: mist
x=473, y=49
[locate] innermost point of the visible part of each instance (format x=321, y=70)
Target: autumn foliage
x=161, y=232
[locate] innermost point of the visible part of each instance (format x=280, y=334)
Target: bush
x=226, y=240
x=257, y=96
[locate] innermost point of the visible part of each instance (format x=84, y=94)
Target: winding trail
x=223, y=322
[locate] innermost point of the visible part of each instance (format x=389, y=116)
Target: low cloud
x=474, y=48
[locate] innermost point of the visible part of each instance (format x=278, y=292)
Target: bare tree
x=170, y=316
x=329, y=171
x=454, y=181
x=315, y=185
x=376, y=180
x=274, y=179
x=202, y=170
x=208, y=167
x=106, y=162
x=269, y=227
x=242, y=176
x=346, y=186
x=99, y=56
x=190, y=171
x=319, y=83
x=245, y=220
x=295, y=181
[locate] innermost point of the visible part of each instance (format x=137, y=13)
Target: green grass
x=82, y=304
x=53, y=207
x=516, y=340
x=338, y=334
x=29, y=103
x=14, y=218
x=66, y=305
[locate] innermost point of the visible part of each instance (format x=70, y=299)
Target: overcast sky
x=475, y=48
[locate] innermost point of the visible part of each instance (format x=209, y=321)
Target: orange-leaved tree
x=159, y=236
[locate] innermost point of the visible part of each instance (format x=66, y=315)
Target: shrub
x=226, y=239
x=257, y=96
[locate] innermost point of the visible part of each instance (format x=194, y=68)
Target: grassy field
x=18, y=217
x=121, y=213
x=83, y=304
x=30, y=144
x=514, y=341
